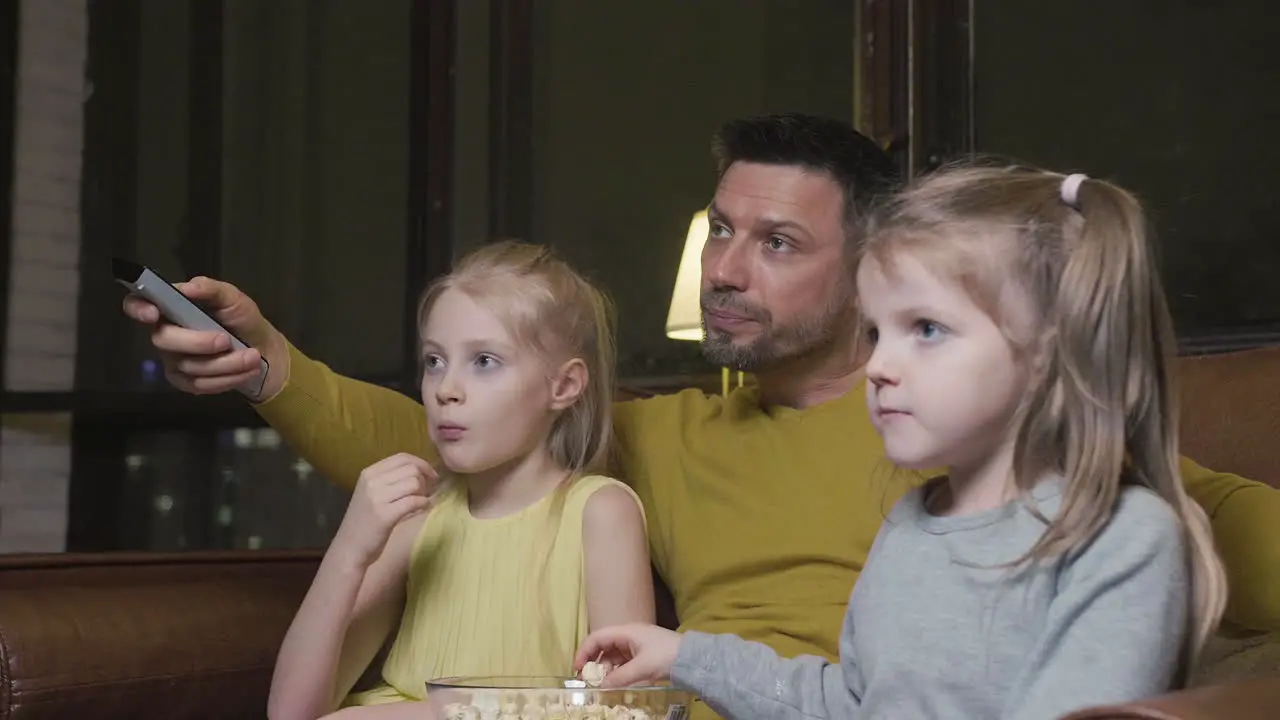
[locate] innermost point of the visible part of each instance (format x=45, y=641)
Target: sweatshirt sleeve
x=1117, y=627
x=744, y=680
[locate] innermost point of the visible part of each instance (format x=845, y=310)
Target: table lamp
x=684, y=317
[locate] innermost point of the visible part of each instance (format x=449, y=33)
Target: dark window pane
x=1173, y=100
x=230, y=489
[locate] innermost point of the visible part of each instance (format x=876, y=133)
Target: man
x=763, y=505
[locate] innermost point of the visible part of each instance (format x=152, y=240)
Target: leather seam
x=6, y=677
x=135, y=681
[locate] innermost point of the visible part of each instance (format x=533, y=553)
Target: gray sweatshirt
x=933, y=630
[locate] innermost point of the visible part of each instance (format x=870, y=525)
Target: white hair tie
x=1070, y=190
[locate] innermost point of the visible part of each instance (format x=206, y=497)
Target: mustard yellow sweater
x=760, y=519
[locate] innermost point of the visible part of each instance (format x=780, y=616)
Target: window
x=1172, y=100
x=285, y=147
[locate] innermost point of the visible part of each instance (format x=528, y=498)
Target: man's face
x=775, y=285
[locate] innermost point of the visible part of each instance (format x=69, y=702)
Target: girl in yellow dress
x=504, y=560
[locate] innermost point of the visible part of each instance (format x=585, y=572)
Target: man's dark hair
x=864, y=172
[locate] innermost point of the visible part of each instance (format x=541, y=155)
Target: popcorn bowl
x=551, y=698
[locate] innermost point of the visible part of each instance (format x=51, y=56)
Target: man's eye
x=778, y=243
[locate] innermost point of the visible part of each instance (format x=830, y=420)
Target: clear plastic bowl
x=548, y=698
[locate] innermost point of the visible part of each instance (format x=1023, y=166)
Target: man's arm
x=1246, y=528
x=1117, y=628
x=341, y=426
x=337, y=424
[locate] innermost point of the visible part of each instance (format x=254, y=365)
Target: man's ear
x=569, y=383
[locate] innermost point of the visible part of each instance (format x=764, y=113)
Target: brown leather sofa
x=195, y=635
x=190, y=635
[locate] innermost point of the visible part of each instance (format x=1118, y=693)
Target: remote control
x=179, y=310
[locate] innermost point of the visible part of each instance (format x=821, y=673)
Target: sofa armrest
x=1257, y=699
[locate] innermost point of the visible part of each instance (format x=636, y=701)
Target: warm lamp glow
x=684, y=318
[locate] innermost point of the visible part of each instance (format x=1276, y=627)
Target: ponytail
x=1114, y=395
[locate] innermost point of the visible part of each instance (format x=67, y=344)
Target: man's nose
x=725, y=264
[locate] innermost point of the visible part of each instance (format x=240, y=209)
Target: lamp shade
x=684, y=318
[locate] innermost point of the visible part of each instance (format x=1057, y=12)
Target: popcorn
x=576, y=702
x=487, y=701
x=593, y=673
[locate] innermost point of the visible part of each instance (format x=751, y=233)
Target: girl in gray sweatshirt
x=1020, y=339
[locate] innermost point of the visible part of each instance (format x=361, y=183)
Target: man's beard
x=774, y=346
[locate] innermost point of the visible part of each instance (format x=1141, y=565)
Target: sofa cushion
x=132, y=635
x=1231, y=412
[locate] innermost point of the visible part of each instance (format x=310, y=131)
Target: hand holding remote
x=202, y=362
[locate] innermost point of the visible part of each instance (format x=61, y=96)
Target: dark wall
x=626, y=96
x=314, y=152
x=1174, y=100
x=315, y=133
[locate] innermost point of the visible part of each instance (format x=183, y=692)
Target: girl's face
x=944, y=383
x=490, y=401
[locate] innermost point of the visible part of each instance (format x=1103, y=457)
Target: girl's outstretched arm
x=738, y=679
x=618, y=576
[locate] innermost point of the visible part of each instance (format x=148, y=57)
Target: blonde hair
x=550, y=308
x=1102, y=408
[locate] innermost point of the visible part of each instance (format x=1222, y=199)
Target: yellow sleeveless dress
x=477, y=603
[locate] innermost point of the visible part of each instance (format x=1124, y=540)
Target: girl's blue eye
x=928, y=329
x=486, y=362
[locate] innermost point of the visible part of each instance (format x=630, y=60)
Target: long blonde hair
x=551, y=308
x=1102, y=409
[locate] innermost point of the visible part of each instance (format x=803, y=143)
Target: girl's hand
x=387, y=492
x=638, y=653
